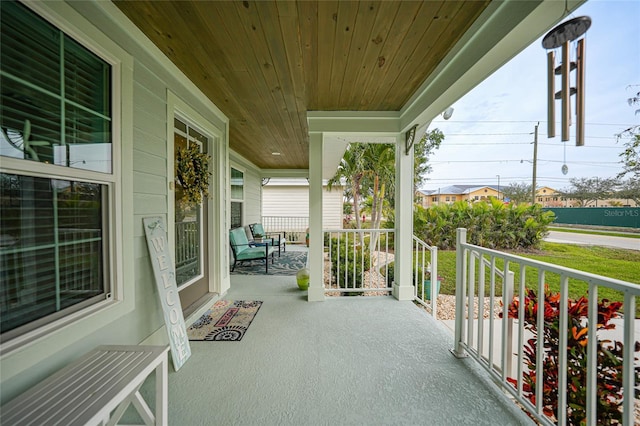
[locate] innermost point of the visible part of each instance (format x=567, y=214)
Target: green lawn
x=614, y=263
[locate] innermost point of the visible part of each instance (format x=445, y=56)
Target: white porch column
x=403, y=283
x=316, y=285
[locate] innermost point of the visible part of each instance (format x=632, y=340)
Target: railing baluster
x=434, y=281
x=628, y=371
x=540, y=343
x=521, y=294
x=592, y=356
x=481, y=285
x=562, y=350
x=470, y=298
x=492, y=296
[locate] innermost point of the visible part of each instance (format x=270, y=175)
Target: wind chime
x=562, y=36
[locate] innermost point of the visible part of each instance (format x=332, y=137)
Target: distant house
x=545, y=196
x=549, y=197
x=453, y=193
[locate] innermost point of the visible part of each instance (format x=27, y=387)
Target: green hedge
x=489, y=224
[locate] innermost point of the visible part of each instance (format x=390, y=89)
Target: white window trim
x=176, y=107
x=76, y=326
x=243, y=170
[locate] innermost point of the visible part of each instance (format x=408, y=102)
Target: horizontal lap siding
x=285, y=201
x=332, y=208
x=293, y=201
x=150, y=187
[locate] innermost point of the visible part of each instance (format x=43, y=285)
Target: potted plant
x=302, y=278
x=258, y=237
x=417, y=273
x=427, y=285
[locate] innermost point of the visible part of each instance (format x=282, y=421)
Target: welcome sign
x=165, y=276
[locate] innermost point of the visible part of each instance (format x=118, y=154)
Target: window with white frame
x=237, y=197
x=56, y=178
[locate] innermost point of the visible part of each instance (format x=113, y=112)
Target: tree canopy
x=590, y=190
x=518, y=193
x=630, y=190
x=630, y=156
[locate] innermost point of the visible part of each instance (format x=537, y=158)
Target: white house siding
x=332, y=208
x=285, y=201
x=145, y=193
x=282, y=200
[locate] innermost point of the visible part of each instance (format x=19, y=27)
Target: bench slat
x=86, y=391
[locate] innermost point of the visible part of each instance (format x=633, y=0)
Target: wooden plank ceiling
x=266, y=63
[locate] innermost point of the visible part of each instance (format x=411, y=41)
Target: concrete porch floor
x=348, y=360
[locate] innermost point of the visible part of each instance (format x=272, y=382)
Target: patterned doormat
x=289, y=263
x=226, y=320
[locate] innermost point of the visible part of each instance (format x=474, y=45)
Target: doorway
x=191, y=223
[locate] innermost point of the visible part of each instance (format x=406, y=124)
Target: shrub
x=609, y=353
x=492, y=224
x=349, y=260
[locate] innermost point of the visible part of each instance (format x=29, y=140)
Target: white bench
x=87, y=391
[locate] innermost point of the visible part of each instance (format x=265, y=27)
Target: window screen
x=51, y=247
x=55, y=108
x=55, y=97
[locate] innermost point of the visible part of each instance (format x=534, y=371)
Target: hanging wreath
x=193, y=172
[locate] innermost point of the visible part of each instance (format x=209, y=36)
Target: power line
x=594, y=163
x=526, y=121
x=480, y=144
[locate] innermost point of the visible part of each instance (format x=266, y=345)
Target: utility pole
x=535, y=163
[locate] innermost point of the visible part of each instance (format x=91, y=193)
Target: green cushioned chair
x=277, y=239
x=244, y=251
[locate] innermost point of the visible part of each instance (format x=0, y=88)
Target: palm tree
x=368, y=169
x=350, y=171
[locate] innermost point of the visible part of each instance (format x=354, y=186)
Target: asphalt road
x=593, y=240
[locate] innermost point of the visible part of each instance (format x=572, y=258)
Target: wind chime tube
x=566, y=92
x=551, y=93
x=580, y=93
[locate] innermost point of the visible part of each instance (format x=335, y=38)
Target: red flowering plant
x=609, y=366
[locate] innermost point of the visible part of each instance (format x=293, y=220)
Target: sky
x=489, y=138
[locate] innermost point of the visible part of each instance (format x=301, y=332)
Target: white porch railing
x=357, y=261
x=187, y=250
x=474, y=265
x=426, y=282
x=295, y=228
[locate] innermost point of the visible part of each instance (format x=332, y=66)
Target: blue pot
x=427, y=288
